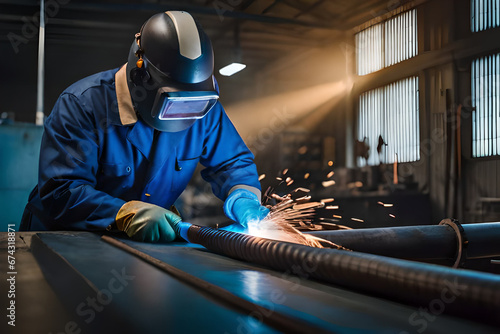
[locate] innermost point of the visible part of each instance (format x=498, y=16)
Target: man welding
x=120, y=146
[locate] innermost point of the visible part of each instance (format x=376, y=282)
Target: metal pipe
x=419, y=242
x=461, y=292
x=41, y=66
x=484, y=240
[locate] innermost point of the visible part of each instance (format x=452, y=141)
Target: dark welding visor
x=182, y=105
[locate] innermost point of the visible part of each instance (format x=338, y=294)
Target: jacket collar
x=139, y=133
x=125, y=107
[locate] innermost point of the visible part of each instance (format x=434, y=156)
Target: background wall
x=297, y=108
x=19, y=154
x=446, y=49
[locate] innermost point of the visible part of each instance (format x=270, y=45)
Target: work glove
x=147, y=222
x=243, y=206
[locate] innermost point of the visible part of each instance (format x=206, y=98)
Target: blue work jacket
x=96, y=155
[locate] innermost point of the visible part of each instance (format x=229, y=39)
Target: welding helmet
x=170, y=72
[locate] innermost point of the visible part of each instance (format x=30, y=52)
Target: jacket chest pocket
x=113, y=178
x=183, y=171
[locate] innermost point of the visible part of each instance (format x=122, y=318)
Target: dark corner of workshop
x=250, y=166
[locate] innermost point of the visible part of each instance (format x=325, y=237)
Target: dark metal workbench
x=76, y=272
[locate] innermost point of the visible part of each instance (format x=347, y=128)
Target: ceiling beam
x=271, y=6
x=72, y=23
x=310, y=8
x=304, y=8
x=267, y=39
x=221, y=13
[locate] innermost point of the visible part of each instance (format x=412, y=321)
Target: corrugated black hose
x=435, y=288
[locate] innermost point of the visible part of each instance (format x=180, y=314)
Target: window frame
x=384, y=124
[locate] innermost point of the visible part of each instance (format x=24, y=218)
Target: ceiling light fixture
x=237, y=64
x=231, y=69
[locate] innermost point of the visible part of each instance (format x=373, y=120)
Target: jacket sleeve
x=228, y=161
x=67, y=172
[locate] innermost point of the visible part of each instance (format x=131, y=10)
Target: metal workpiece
x=276, y=319
x=469, y=294
x=107, y=290
x=155, y=301
x=78, y=293
x=426, y=242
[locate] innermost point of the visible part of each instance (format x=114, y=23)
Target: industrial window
x=387, y=43
x=388, y=123
x=485, y=14
x=369, y=50
x=486, y=101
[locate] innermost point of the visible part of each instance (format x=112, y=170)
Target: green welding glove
x=147, y=222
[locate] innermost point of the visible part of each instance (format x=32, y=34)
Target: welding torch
x=181, y=230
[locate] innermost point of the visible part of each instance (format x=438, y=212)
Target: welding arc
x=273, y=318
x=463, y=292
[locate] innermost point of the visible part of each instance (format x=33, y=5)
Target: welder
x=120, y=146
